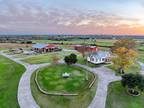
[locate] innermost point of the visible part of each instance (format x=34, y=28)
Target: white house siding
x=100, y=58
x=96, y=60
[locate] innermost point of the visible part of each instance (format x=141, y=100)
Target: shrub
x=134, y=82
x=55, y=59
x=71, y=59
x=29, y=42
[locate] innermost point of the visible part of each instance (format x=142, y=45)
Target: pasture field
x=13, y=45
x=99, y=42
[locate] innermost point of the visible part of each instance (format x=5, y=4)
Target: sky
x=115, y=17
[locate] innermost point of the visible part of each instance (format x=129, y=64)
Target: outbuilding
x=45, y=48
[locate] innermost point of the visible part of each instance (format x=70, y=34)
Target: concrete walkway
x=105, y=76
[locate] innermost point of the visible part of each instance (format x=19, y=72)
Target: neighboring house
x=45, y=48
x=99, y=57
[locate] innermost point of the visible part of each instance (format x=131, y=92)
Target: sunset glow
x=72, y=16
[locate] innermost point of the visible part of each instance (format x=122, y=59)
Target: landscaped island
x=50, y=80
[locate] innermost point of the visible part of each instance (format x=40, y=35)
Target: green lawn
x=83, y=61
x=140, y=47
x=105, y=43
x=118, y=98
x=10, y=73
x=141, y=56
x=47, y=57
x=50, y=79
x=2, y=48
x=135, y=68
x=71, y=85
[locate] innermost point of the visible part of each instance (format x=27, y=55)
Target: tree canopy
x=71, y=59
x=124, y=54
x=133, y=81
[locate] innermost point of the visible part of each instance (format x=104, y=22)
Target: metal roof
x=100, y=54
x=40, y=46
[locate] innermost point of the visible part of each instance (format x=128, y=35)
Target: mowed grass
x=135, y=68
x=140, y=49
x=50, y=79
x=118, y=98
x=10, y=73
x=141, y=56
x=47, y=57
x=48, y=101
x=84, y=61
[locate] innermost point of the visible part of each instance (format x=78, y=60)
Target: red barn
x=45, y=48
x=86, y=48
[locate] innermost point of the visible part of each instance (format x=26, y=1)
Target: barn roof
x=39, y=45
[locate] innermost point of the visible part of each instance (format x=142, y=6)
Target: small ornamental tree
x=55, y=59
x=83, y=50
x=71, y=59
x=134, y=83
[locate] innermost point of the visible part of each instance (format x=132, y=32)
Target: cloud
x=33, y=17
x=84, y=22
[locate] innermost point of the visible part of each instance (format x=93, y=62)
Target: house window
x=91, y=59
x=103, y=59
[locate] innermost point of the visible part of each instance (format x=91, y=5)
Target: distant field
x=12, y=45
x=10, y=73
x=99, y=42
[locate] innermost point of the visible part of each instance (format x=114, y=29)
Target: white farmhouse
x=99, y=57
